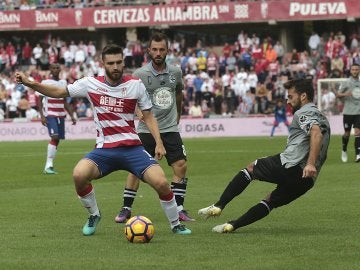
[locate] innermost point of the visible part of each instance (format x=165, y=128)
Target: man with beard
x=349, y=92
x=294, y=171
x=118, y=147
x=164, y=85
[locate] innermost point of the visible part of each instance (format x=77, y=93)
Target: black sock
x=179, y=190
x=357, y=145
x=345, y=141
x=255, y=213
x=234, y=188
x=129, y=197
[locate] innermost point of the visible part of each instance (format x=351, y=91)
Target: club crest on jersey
x=303, y=119
x=172, y=78
x=123, y=91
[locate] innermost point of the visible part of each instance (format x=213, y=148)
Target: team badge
x=356, y=93
x=172, y=78
x=303, y=119
x=123, y=91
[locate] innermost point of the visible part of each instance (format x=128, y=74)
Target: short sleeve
x=306, y=120
x=144, y=101
x=79, y=88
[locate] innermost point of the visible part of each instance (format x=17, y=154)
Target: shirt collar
x=155, y=73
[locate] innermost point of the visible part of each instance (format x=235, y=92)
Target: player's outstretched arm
x=45, y=89
x=152, y=125
x=315, y=146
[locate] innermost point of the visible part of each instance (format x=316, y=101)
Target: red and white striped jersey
x=114, y=108
x=54, y=106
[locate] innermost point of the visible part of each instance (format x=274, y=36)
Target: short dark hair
x=111, y=49
x=303, y=85
x=158, y=36
x=355, y=64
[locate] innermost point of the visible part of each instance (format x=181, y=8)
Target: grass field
x=41, y=217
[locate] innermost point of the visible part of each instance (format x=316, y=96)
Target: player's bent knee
x=250, y=167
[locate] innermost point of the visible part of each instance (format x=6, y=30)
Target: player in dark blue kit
x=280, y=116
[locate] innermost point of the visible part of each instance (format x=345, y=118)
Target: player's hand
x=159, y=151
x=309, y=171
x=43, y=121
x=73, y=120
x=21, y=78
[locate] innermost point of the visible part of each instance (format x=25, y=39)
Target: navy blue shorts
x=56, y=126
x=133, y=159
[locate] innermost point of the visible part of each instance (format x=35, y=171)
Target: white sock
x=170, y=209
x=51, y=153
x=89, y=202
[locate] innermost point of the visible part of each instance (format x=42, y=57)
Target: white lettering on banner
x=130, y=15
x=192, y=13
x=327, y=8
x=46, y=16
x=204, y=128
x=9, y=18
x=241, y=11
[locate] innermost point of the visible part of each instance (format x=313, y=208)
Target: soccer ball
x=139, y=229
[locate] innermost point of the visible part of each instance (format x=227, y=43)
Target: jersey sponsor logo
x=100, y=89
x=356, y=93
x=162, y=98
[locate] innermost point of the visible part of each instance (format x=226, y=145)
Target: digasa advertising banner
x=179, y=14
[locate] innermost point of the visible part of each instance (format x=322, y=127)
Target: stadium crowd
x=238, y=79
x=42, y=4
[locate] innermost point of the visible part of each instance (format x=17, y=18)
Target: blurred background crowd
x=241, y=78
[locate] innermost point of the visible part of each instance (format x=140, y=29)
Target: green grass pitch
x=41, y=217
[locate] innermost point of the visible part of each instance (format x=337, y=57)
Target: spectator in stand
x=195, y=110
x=280, y=51
x=68, y=56
x=314, y=41
x=295, y=58
x=3, y=96
x=11, y=108
x=22, y=106
x=253, y=79
x=138, y=54
x=227, y=50
x=261, y=98
x=212, y=64
x=128, y=55
x=201, y=62
x=31, y=114
x=270, y=54
x=256, y=52
x=246, y=104
x=80, y=108
x=231, y=63
x=37, y=53
x=218, y=101
x=189, y=85
x=198, y=81
x=337, y=66
x=26, y=53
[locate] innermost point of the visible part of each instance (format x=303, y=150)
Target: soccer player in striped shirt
x=118, y=146
x=53, y=113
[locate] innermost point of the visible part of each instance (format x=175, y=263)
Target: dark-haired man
x=349, y=92
x=53, y=112
x=294, y=171
x=118, y=147
x=164, y=85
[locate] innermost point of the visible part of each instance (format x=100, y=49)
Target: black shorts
x=290, y=184
x=351, y=121
x=175, y=149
